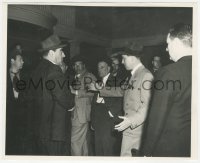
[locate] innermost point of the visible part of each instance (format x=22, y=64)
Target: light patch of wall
x=145, y=41
x=66, y=28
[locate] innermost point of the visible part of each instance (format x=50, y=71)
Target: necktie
x=129, y=77
x=125, y=85
x=15, y=81
x=100, y=99
x=77, y=83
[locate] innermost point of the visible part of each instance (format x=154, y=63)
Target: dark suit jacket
x=15, y=116
x=168, y=130
x=113, y=104
x=49, y=100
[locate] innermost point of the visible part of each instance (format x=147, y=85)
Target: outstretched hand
x=124, y=124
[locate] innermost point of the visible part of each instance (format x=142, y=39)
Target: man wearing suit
x=81, y=114
x=104, y=113
x=169, y=123
x=136, y=93
x=14, y=108
x=50, y=101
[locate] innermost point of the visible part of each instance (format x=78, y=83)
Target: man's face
x=103, y=69
x=172, y=48
x=18, y=62
x=129, y=61
x=58, y=56
x=79, y=67
x=115, y=64
x=156, y=62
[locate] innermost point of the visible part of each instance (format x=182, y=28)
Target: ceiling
x=129, y=22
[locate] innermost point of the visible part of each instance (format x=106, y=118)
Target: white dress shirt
x=100, y=99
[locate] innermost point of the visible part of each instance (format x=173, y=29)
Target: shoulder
x=146, y=74
x=168, y=71
x=54, y=71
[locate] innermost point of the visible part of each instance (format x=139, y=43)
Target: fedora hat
x=51, y=43
x=132, y=49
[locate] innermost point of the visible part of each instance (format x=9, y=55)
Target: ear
x=177, y=41
x=51, y=52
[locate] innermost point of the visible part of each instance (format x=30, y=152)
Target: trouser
x=51, y=147
x=79, y=144
x=14, y=135
x=107, y=141
x=129, y=143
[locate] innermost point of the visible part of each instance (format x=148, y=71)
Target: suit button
x=126, y=113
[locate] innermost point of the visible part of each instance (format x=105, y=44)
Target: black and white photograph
x=100, y=80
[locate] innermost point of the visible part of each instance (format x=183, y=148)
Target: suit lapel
x=135, y=78
x=136, y=74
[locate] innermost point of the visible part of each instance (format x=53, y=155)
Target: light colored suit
x=136, y=102
x=81, y=116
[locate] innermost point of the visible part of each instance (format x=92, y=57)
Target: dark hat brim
x=52, y=48
x=78, y=58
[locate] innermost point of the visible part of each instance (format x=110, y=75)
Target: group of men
x=114, y=114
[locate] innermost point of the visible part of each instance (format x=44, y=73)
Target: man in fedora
x=136, y=92
x=80, y=135
x=50, y=101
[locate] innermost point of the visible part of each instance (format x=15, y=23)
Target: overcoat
x=169, y=123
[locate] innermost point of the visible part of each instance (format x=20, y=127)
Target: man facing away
x=169, y=123
x=50, y=101
x=136, y=93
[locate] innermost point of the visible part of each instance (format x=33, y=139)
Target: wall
x=145, y=41
x=66, y=27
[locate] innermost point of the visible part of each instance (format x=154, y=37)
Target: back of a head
x=182, y=32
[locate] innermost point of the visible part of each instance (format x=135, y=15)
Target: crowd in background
x=124, y=111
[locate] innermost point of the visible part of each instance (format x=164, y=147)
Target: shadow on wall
x=93, y=54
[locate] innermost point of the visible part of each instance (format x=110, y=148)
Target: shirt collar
x=50, y=61
x=134, y=70
x=105, y=78
x=14, y=73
